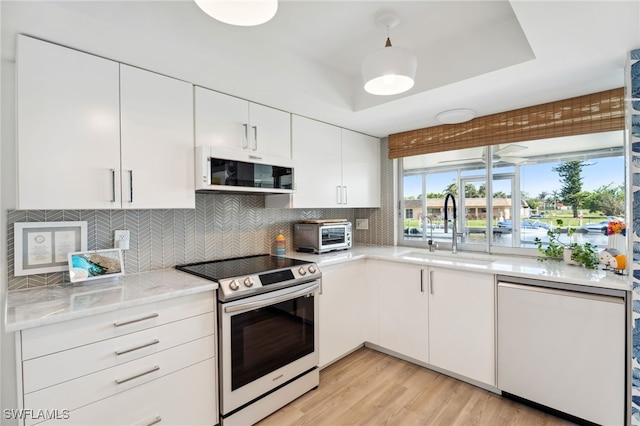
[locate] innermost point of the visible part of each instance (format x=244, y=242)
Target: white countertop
x=48, y=305
x=516, y=266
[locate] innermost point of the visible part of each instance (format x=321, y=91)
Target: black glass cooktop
x=240, y=266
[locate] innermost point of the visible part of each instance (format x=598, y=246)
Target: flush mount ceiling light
x=454, y=116
x=390, y=70
x=244, y=13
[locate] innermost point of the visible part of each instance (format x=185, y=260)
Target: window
x=408, y=213
x=508, y=195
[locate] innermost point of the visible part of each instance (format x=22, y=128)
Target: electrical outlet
x=362, y=223
x=121, y=239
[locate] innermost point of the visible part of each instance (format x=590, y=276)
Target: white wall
x=8, y=391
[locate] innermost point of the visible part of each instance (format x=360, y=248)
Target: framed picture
x=41, y=247
x=95, y=265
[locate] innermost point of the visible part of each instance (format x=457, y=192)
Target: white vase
x=566, y=255
x=618, y=242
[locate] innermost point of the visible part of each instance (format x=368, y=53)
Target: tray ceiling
x=489, y=56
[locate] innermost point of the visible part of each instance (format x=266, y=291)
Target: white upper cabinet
x=360, y=170
x=270, y=131
x=221, y=121
x=157, y=141
x=91, y=137
x=317, y=164
x=68, y=128
x=333, y=167
x=246, y=129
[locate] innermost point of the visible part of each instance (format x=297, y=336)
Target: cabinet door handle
x=245, y=142
x=146, y=345
x=151, y=370
x=120, y=324
x=421, y=280
x=344, y=195
x=155, y=421
x=131, y=186
x=431, y=282
x=255, y=138
x=338, y=194
x=113, y=185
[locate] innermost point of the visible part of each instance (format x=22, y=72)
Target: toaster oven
x=322, y=236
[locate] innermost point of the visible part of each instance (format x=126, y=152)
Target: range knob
x=302, y=271
x=233, y=285
x=248, y=282
x=312, y=269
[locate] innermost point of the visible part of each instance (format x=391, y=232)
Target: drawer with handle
x=45, y=371
x=84, y=390
x=151, y=403
x=57, y=337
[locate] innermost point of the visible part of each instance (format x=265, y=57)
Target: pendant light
x=244, y=13
x=390, y=70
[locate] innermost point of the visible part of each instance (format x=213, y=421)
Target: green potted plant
x=584, y=254
x=572, y=253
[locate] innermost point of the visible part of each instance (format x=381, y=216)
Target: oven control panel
x=258, y=283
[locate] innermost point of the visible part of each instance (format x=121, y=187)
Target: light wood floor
x=371, y=388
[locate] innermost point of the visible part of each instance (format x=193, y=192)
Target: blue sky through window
x=535, y=178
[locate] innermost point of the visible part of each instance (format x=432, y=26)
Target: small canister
x=280, y=245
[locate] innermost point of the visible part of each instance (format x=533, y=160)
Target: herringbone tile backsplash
x=221, y=226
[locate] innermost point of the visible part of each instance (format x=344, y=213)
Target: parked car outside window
x=413, y=232
x=596, y=227
x=525, y=224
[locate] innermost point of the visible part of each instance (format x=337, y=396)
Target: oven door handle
x=273, y=300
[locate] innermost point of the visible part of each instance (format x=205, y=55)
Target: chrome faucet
x=432, y=245
x=454, y=237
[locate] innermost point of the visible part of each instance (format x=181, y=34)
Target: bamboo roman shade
x=598, y=112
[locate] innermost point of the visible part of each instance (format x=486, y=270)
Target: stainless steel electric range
x=267, y=332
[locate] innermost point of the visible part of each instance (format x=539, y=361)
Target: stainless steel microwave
x=322, y=237
x=228, y=170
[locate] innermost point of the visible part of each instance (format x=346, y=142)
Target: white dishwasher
x=563, y=346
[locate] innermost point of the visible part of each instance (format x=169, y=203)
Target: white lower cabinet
x=341, y=310
x=169, y=400
x=462, y=323
x=139, y=365
x=403, y=319
x=42, y=372
x=437, y=316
